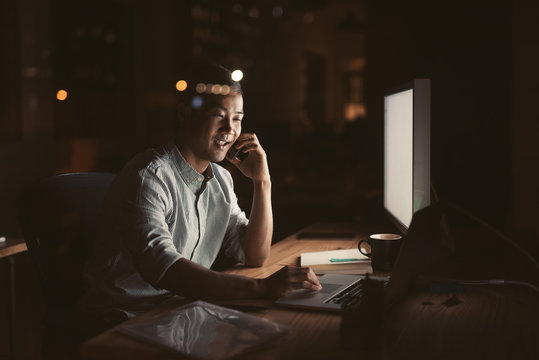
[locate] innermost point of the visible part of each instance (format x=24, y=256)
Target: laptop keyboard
x=352, y=293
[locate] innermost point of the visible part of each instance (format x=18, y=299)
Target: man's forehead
x=224, y=102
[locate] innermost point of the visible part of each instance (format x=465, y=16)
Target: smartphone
x=237, y=153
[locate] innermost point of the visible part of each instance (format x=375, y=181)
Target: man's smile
x=223, y=140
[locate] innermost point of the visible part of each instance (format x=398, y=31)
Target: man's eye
x=238, y=119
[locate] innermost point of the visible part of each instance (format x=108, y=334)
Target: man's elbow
x=256, y=261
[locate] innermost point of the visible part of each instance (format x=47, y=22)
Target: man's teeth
x=223, y=137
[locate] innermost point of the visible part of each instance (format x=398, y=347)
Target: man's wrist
x=263, y=183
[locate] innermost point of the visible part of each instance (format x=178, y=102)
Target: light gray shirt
x=157, y=211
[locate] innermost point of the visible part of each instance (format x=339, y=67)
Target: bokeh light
x=61, y=95
x=197, y=101
x=237, y=75
x=277, y=11
x=200, y=88
x=254, y=13
x=181, y=85
x=225, y=90
x=216, y=89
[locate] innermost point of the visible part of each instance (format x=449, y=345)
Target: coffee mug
x=384, y=250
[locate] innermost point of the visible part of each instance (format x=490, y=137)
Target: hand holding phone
x=250, y=158
x=236, y=153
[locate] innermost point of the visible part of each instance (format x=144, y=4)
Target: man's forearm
x=189, y=279
x=260, y=228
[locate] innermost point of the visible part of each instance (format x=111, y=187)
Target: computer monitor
x=406, y=151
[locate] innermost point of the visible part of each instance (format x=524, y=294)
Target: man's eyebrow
x=219, y=106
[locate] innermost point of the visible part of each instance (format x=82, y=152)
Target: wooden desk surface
x=12, y=246
x=477, y=323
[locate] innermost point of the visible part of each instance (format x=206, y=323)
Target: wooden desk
x=12, y=246
x=478, y=323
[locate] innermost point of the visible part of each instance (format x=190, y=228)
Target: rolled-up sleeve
x=144, y=219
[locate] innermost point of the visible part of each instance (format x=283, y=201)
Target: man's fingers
x=303, y=278
x=245, y=139
x=309, y=285
x=250, y=147
x=290, y=278
x=314, y=280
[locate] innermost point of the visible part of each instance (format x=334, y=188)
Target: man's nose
x=226, y=124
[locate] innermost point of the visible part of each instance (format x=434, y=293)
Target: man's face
x=215, y=126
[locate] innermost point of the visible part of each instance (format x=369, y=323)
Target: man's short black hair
x=207, y=79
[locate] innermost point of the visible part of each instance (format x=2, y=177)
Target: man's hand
x=255, y=165
x=290, y=278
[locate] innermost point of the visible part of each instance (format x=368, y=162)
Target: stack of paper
x=343, y=261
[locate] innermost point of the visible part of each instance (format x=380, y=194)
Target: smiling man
x=171, y=210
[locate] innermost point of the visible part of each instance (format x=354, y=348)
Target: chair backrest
x=59, y=217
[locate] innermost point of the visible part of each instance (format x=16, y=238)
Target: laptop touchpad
x=328, y=288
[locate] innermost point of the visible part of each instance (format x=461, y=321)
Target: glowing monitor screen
x=407, y=151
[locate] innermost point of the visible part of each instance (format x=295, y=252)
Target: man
x=171, y=210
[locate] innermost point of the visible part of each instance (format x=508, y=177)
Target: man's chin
x=218, y=157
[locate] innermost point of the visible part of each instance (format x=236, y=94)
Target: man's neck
x=199, y=165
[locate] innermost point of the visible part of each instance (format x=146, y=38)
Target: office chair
x=59, y=216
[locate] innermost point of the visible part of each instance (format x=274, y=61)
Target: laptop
x=424, y=246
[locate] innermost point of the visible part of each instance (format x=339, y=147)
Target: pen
x=343, y=260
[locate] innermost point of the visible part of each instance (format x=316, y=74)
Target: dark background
x=314, y=76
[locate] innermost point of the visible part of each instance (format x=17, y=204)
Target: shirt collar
x=192, y=178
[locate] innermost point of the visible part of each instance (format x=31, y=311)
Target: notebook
x=421, y=247
x=343, y=261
